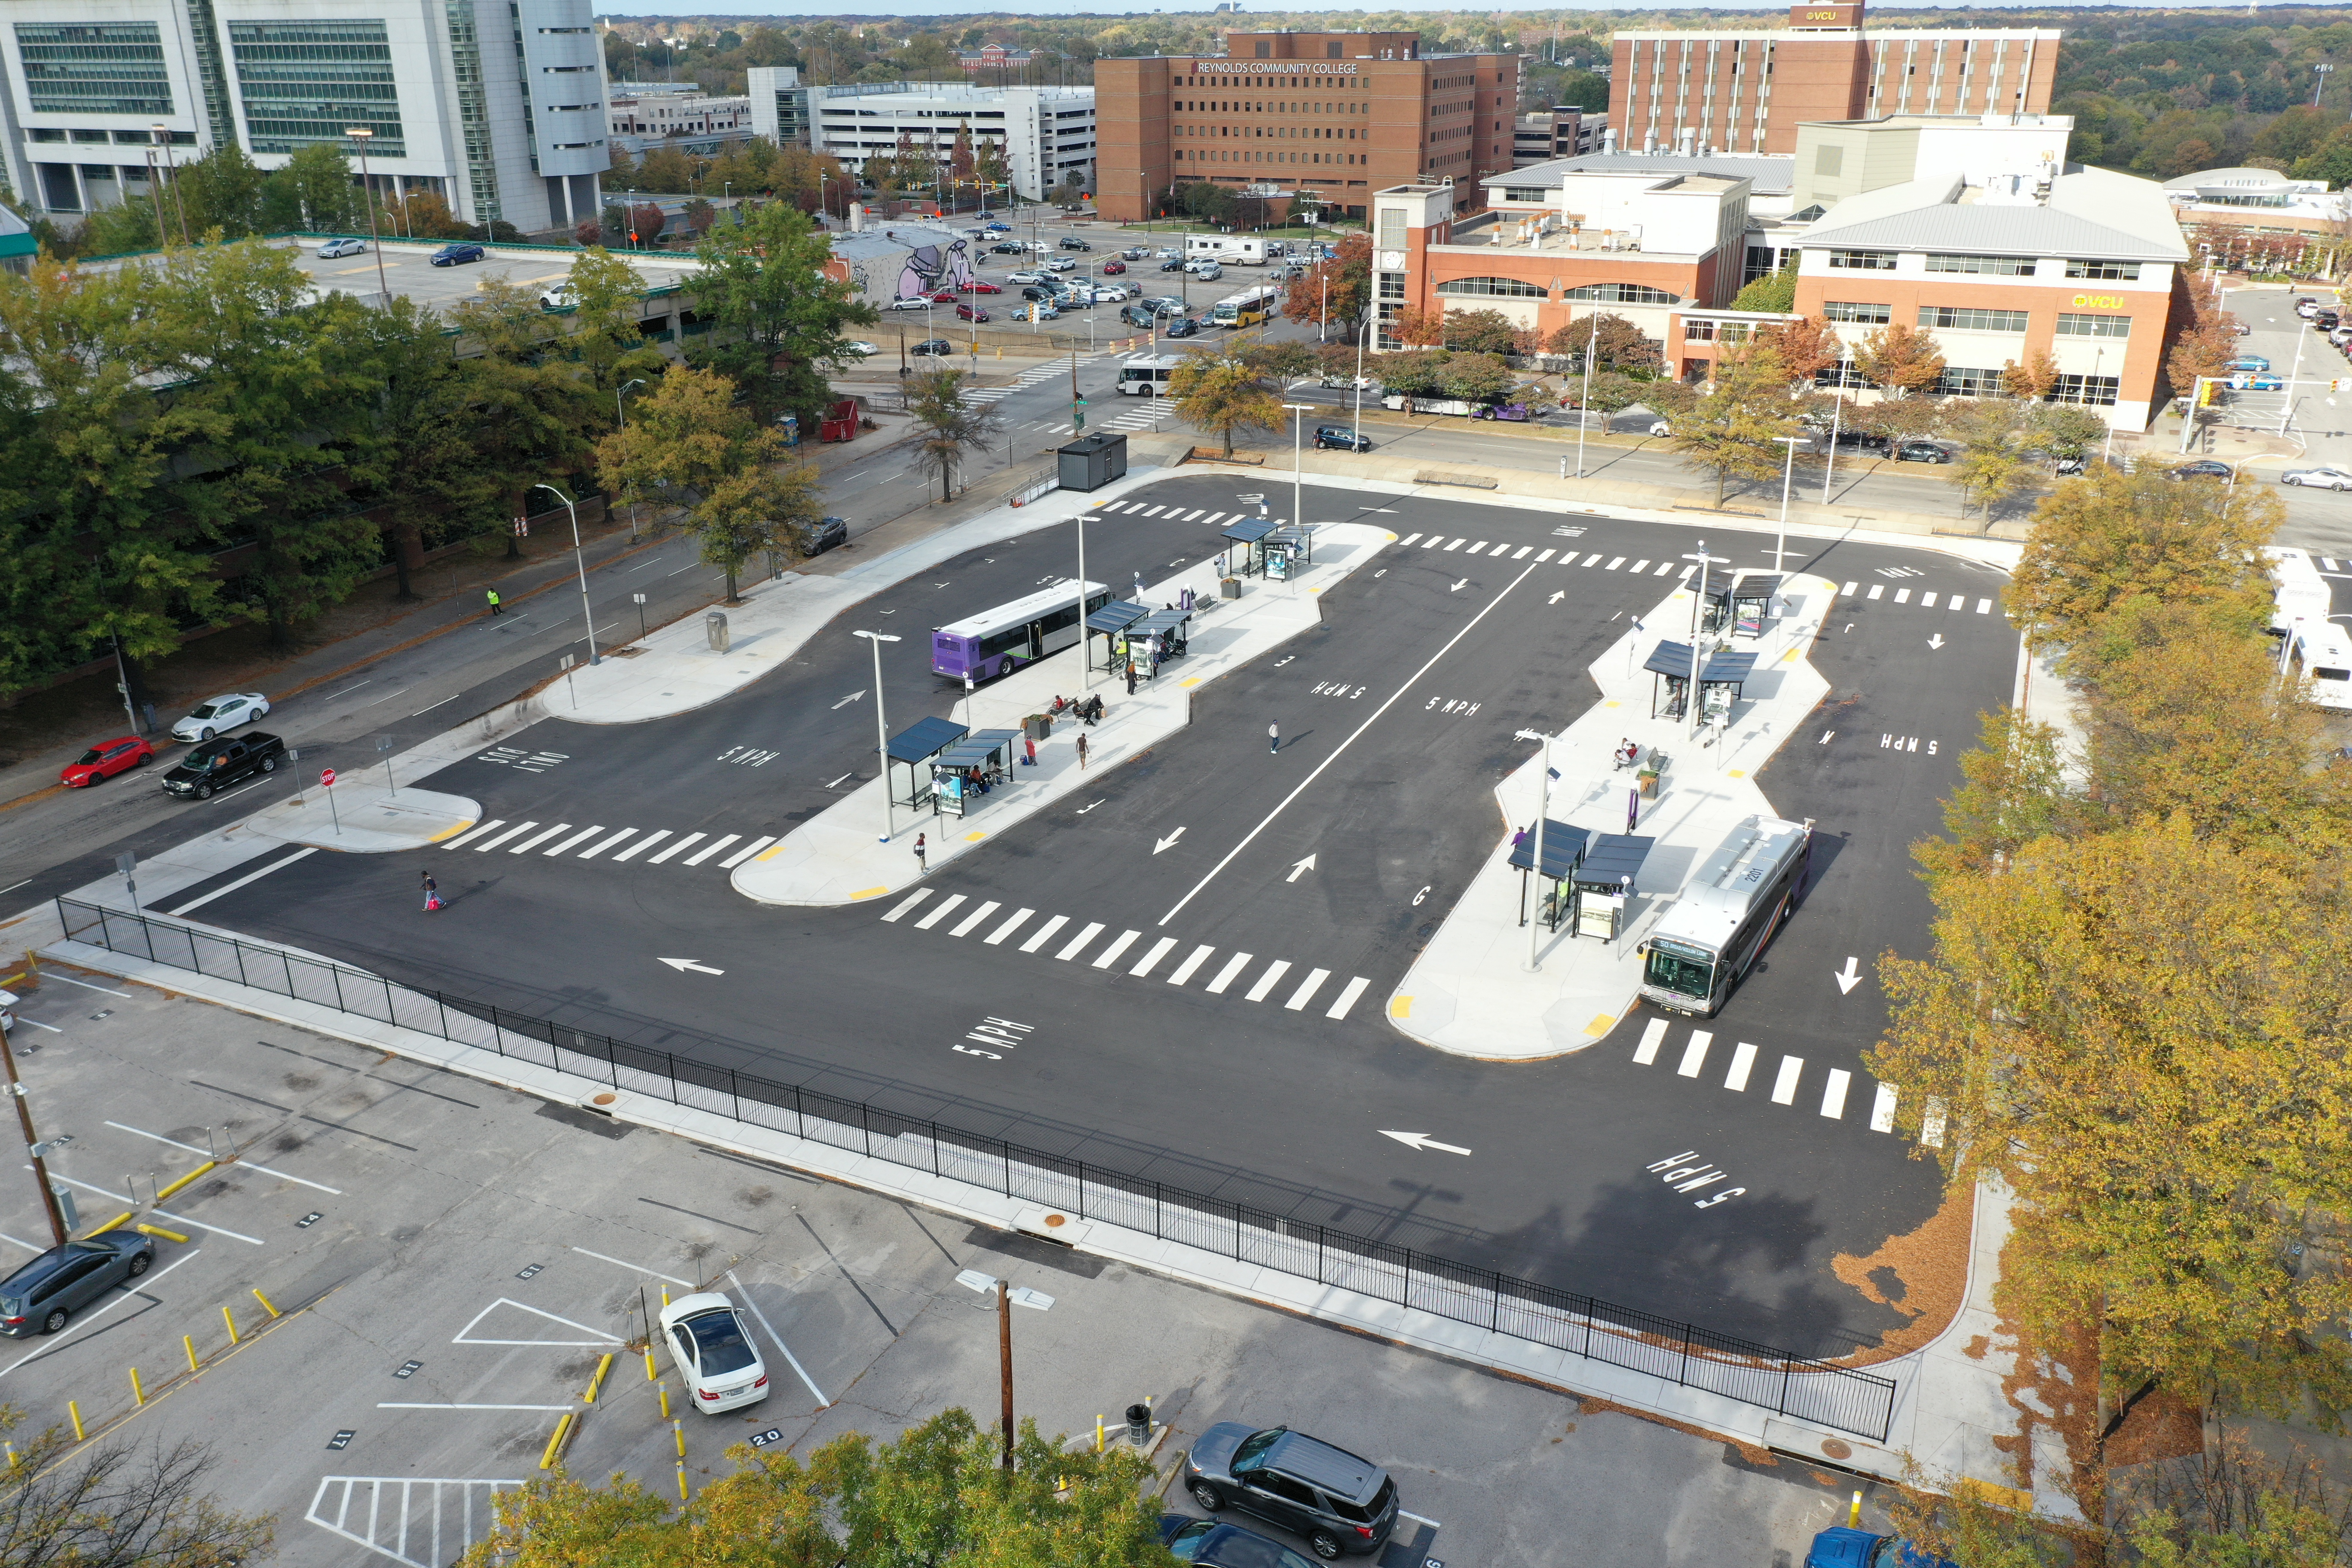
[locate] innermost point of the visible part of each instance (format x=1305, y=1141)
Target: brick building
x=1748, y=92
x=1339, y=115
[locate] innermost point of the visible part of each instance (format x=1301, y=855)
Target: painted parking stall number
x=992, y=1037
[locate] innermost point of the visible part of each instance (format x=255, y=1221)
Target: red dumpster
x=840, y=421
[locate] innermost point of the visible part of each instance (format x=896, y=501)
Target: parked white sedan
x=2325, y=479
x=713, y=1346
x=216, y=714
x=335, y=247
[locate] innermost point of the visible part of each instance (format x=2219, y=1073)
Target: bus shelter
x=1245, y=545
x=963, y=772
x=1563, y=850
x=1287, y=550
x=1168, y=630
x=1720, y=678
x=1602, y=884
x=1110, y=620
x=909, y=754
x=1751, y=602
x=1715, y=606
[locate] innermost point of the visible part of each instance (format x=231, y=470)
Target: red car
x=107, y=759
x=1113, y=269
x=982, y=286
x=971, y=313
x=944, y=296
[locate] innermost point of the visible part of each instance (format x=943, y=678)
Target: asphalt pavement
x=1395, y=717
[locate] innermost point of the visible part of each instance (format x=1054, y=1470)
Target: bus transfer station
x=1110, y=620
x=1725, y=672
x=1173, y=627
x=1603, y=884
x=909, y=755
x=970, y=767
x=1563, y=848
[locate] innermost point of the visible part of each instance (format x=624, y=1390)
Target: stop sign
x=326, y=776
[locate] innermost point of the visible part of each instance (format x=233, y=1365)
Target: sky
x=1097, y=8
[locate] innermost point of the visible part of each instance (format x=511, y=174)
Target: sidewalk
x=1470, y=991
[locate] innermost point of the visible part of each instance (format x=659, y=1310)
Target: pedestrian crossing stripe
x=528, y=837
x=1836, y=1087
x=1116, y=955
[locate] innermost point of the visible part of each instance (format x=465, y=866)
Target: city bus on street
x=1000, y=641
x=1146, y=375
x=1246, y=309
x=1710, y=936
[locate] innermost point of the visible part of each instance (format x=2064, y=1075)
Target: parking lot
x=453, y=1263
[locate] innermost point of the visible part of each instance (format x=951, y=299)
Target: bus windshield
x=1684, y=970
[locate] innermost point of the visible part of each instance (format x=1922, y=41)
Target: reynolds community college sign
x=1275, y=68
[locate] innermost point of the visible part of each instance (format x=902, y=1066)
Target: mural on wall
x=929, y=270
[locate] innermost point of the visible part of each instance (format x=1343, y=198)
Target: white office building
x=780, y=104
x=1046, y=132
x=497, y=106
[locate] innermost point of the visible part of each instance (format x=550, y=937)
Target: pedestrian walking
x=495, y=608
x=1130, y=677
x=1082, y=751
x=1273, y=739
x=922, y=862
x=1029, y=745
x=432, y=892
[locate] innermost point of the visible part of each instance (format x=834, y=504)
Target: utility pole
x=36, y=1150
x=1004, y=1329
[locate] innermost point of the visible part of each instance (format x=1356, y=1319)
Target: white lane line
x=1159, y=950
x=580, y=837
x=745, y=1292
x=937, y=915
x=406, y=1405
x=686, y=842
x=1009, y=927
x=84, y=983
x=1834, y=1096
x=1882, y=1109
x=1695, y=1053
x=1307, y=989
x=744, y=854
x=1109, y=955
x=1077, y=943
x=536, y=839
x=1784, y=1086
x=634, y=1269
x=713, y=847
x=1743, y=1061
x=1274, y=972
x=191, y=1148
x=463, y=838
x=909, y=902
x=487, y=845
x=79, y=1324
x=591, y=853
x=974, y=919
x=1369, y=719
x=641, y=844
x=1355, y=988
x=1417, y=1518
x=218, y=892
x=1654, y=1035
x=38, y=1025
x=25, y=1245
x=1234, y=966
x=1198, y=956
x=1044, y=933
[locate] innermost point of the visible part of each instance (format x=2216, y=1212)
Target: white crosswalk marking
x=1077, y=943
x=536, y=839
x=1234, y=966
x=492, y=825
x=1215, y=517
x=1882, y=1109
x=1275, y=971
x=1594, y=558
x=1663, y=567
x=1347, y=998
x=1642, y=565
x=1433, y=541
x=1834, y=1093
x=591, y=853
x=1902, y=596
x=1009, y=927
x=584, y=834
x=1159, y=950
x=909, y=902
x=496, y=839
x=1044, y=933
x=1653, y=1036
x=1743, y=1060
x=1876, y=589
x=1193, y=961
x=1984, y=608
x=1407, y=540
x=1784, y=1086
x=1927, y=601
x=1848, y=590
x=1545, y=556
x=937, y=915
x=2327, y=563
x=1620, y=561
x=1837, y=1085
x=1695, y=1053
x=1155, y=511
x=1460, y=543
x=1109, y=955
x=744, y=854
x=713, y=847
x=1307, y=989
x=974, y=919
x=1522, y=552
x=688, y=842
x=650, y=839
x=1958, y=602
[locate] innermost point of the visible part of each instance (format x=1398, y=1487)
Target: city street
x=1395, y=717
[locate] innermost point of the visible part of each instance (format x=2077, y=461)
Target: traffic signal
x=2206, y=392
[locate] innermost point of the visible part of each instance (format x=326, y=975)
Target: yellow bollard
x=597, y=1382
x=678, y=1430
x=188, y=1343
x=184, y=1180
x=1098, y=1431
x=1854, y=1514
x=555, y=1443
x=681, y=1480
x=157, y=1230
x=651, y=1375
x=230, y=1319
x=125, y=1217
x=665, y=1399
x=137, y=1392
x=13, y=1460
x=264, y=1304
x=665, y=1295
x=74, y=1410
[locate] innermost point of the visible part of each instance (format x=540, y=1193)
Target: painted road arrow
x=1301, y=870
x=1556, y=599
x=1935, y=641
x=848, y=699
x=1164, y=843
x=1422, y=1141
x=1847, y=979
x=1459, y=586
x=683, y=964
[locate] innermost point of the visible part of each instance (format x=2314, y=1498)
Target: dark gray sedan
x=39, y=1298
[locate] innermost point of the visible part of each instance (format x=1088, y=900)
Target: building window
x=1716, y=331
x=1621, y=294
x=1698, y=332
x=1842, y=373
x=1864, y=260
x=2072, y=324
x=94, y=68
x=302, y=83
x=1391, y=285
x=2094, y=389
x=1536, y=193
x=1996, y=265
x=1857, y=311
x=1960, y=381
x=1391, y=229
x=1969, y=319
x=1509, y=288
x=2110, y=272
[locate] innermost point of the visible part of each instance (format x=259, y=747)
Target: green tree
x=124, y=227
x=314, y=192
x=1616, y=343
x=2013, y=791
x=534, y=411
x=1481, y=332
x=425, y=472
x=1733, y=430
x=1335, y=289
x=947, y=428
x=1221, y=390
x=782, y=320
x=222, y=190
x=2229, y=1505
x=608, y=296
x=2067, y=429
x=1992, y=462
x=1773, y=291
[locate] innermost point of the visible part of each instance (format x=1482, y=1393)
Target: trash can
x=1037, y=726
x=1228, y=588
x=714, y=626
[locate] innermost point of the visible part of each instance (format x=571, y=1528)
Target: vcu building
x=1333, y=115
x=1696, y=92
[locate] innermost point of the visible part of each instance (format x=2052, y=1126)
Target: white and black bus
x=1710, y=936
x=1146, y=375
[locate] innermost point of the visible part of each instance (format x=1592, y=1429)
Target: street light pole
x=1698, y=612
x=1085, y=638
x=178, y=201
x=1299, y=413
x=580, y=561
x=881, y=733
x=359, y=133
x=1787, y=474
x=1005, y=1360
x=32, y=1141
x=1584, y=407
x=1543, y=810
x=1363, y=332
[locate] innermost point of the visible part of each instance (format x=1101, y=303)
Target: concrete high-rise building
x=1333, y=115
x=780, y=105
x=498, y=109
x=1743, y=91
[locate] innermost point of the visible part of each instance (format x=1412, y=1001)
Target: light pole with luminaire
x=1007, y=1297
x=1543, y=809
x=1698, y=612
x=620, y=415
x=1584, y=409
x=580, y=561
x=1787, y=474
x=359, y=133
x=881, y=733
x=1299, y=413
x=179, y=203
x=1085, y=654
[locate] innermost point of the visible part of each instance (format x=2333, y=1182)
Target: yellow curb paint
x=973, y=837
x=1737, y=774
x=1601, y=1025
x=1189, y=682
x=867, y=894
x=768, y=854
x=452, y=833
x=1610, y=704
x=1401, y=1007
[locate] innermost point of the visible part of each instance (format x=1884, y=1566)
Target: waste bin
x=1228, y=588
x=714, y=626
x=1037, y=726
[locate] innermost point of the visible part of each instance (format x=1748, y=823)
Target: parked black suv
x=821, y=535
x=937, y=346
x=38, y=1298
x=1340, y=437
x=1072, y=242
x=1922, y=452
x=216, y=764
x=1341, y=1504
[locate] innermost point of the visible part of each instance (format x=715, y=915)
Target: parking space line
x=125, y=1296
x=746, y=1293
x=53, y=974
x=393, y=1405
x=191, y=1148
x=217, y=1230
x=25, y=1245
x=639, y=1268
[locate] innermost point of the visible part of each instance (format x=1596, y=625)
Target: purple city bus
x=999, y=641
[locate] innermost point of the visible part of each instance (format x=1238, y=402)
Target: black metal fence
x=1757, y=1375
